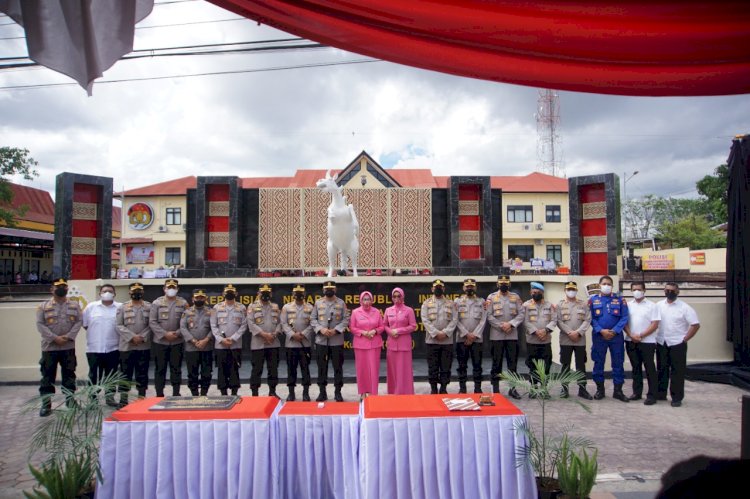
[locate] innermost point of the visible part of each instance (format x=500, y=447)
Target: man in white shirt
x=678, y=325
x=102, y=339
x=640, y=342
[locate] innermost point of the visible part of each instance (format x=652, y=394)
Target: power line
x=214, y=73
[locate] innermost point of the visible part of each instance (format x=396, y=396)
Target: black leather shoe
x=443, y=389
x=305, y=394
x=477, y=387
x=46, y=410
x=676, y=403
x=291, y=397
x=254, y=392
x=634, y=397
x=322, y=396
x=584, y=394
x=620, y=396
x=337, y=395
x=462, y=388
x=649, y=401
x=564, y=393
x=433, y=389
x=514, y=394
x=112, y=403
x=599, y=394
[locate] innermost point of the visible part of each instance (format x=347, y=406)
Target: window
x=553, y=213
x=524, y=252
x=554, y=252
x=174, y=216
x=520, y=214
x=172, y=256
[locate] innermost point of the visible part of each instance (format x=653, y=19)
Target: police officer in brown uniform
x=58, y=320
x=135, y=340
x=439, y=318
x=168, y=343
x=330, y=318
x=263, y=321
x=505, y=313
x=472, y=317
x=295, y=321
x=195, y=327
x=540, y=319
x=574, y=320
x=228, y=325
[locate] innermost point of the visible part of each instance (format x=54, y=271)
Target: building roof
x=176, y=187
x=533, y=182
x=40, y=206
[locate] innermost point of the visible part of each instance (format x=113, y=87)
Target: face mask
x=537, y=297
x=329, y=292
x=199, y=303
x=299, y=296
x=107, y=296
x=61, y=292
x=438, y=291
x=638, y=294
x=671, y=295
x=229, y=296
x=398, y=300
x=171, y=292
x=606, y=289
x=571, y=293
x=136, y=296
x=265, y=296
x=470, y=292
x=504, y=288
x=366, y=304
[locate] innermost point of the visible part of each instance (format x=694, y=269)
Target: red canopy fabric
x=657, y=48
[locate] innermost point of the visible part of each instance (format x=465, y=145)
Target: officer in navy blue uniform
x=609, y=316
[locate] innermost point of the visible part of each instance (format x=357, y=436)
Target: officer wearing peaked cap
x=296, y=323
x=195, y=326
x=439, y=319
x=58, y=320
x=505, y=313
x=133, y=320
x=263, y=322
x=168, y=343
x=540, y=319
x=574, y=321
x=329, y=319
x=228, y=325
x=472, y=317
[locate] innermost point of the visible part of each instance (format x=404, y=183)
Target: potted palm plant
x=68, y=441
x=576, y=471
x=543, y=449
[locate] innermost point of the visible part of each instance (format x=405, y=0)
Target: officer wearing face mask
x=135, y=340
x=295, y=321
x=58, y=320
x=168, y=343
x=263, y=322
x=609, y=316
x=640, y=342
x=329, y=319
x=439, y=319
x=228, y=325
x=574, y=320
x=540, y=319
x=472, y=317
x=505, y=313
x=195, y=327
x=102, y=339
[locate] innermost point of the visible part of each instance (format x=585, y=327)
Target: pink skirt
x=367, y=362
x=400, y=373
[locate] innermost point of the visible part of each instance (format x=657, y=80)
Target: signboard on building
x=697, y=258
x=658, y=262
x=140, y=216
x=139, y=254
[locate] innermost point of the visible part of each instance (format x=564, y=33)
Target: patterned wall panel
x=593, y=229
x=280, y=236
x=395, y=228
x=411, y=228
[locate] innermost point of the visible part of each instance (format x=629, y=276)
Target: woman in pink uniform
x=399, y=322
x=367, y=327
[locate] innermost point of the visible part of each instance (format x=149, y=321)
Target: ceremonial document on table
x=204, y=403
x=462, y=404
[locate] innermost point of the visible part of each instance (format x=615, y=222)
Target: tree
x=693, y=231
x=13, y=161
x=714, y=189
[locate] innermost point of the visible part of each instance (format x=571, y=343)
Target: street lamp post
x=626, y=177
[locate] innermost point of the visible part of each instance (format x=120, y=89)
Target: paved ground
x=636, y=443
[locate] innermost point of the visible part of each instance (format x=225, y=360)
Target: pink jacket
x=365, y=320
x=402, y=318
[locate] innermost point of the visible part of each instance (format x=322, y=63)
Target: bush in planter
x=542, y=449
x=69, y=440
x=576, y=472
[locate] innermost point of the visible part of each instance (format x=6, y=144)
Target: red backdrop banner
x=625, y=47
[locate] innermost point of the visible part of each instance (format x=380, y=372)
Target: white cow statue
x=343, y=227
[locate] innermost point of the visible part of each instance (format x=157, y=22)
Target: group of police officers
x=170, y=329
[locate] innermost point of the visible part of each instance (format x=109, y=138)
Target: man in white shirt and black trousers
x=678, y=325
x=640, y=341
x=102, y=338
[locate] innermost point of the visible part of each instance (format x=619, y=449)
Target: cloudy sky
x=263, y=120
